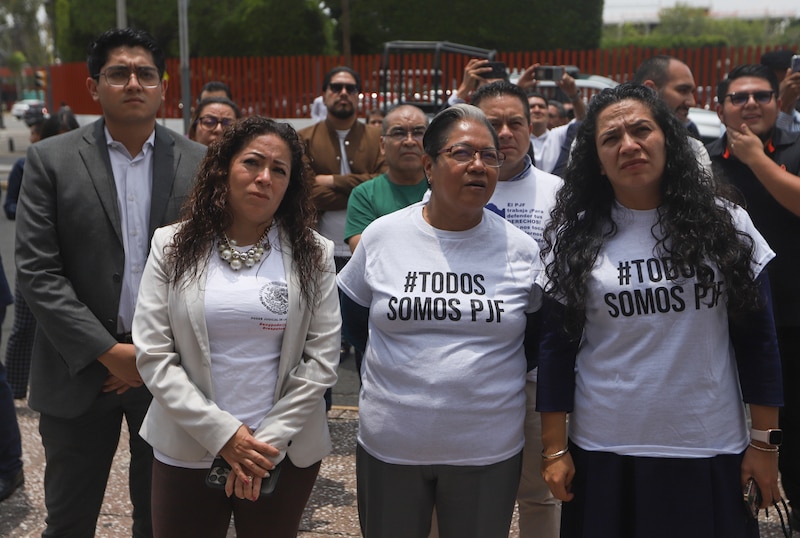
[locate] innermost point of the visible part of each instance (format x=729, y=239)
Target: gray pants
x=396, y=501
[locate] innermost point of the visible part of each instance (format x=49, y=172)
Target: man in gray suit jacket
x=90, y=202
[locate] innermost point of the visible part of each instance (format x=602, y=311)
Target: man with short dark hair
x=402, y=184
x=524, y=196
x=780, y=61
x=556, y=114
x=215, y=88
x=762, y=162
x=673, y=81
x=90, y=201
x=547, y=143
x=342, y=153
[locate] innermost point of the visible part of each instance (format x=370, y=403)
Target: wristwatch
x=772, y=437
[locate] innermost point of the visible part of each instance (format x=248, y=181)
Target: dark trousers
x=20, y=346
x=184, y=506
x=641, y=497
x=789, y=344
x=79, y=452
x=471, y=501
x=10, y=441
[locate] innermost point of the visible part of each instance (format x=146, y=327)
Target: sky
x=638, y=10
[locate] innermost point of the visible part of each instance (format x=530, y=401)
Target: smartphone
x=752, y=497
x=795, y=63
x=220, y=469
x=498, y=71
x=549, y=72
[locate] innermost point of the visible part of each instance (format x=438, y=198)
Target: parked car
x=21, y=107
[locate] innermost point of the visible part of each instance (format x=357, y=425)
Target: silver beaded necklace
x=236, y=259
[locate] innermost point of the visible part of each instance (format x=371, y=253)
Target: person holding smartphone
x=657, y=325
x=786, y=66
x=477, y=72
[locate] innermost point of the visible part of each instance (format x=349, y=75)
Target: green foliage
x=216, y=27
x=684, y=26
x=505, y=25
x=21, y=32
x=268, y=28
x=16, y=61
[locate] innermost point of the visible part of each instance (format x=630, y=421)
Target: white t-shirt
x=547, y=147
x=331, y=223
x=526, y=200
x=655, y=372
x=245, y=314
x=444, y=371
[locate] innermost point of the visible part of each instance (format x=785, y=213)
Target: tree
x=506, y=25
x=216, y=27
x=22, y=30
x=16, y=62
x=684, y=26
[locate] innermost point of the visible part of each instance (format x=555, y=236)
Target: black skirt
x=640, y=497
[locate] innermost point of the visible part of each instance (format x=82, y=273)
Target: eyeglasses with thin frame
x=464, y=153
x=120, y=75
x=400, y=135
x=210, y=122
x=337, y=87
x=761, y=97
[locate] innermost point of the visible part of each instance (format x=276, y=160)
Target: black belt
x=125, y=338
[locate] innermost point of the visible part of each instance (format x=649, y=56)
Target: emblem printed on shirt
x=275, y=298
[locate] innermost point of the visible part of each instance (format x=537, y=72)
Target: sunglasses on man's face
x=761, y=97
x=337, y=87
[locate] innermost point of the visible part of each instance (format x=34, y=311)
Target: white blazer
x=172, y=354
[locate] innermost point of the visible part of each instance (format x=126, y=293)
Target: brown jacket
x=322, y=154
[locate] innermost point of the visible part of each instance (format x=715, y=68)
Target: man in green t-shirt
x=403, y=183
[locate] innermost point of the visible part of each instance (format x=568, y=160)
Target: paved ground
x=331, y=511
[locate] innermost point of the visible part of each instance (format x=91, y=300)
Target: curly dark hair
x=694, y=228
x=206, y=213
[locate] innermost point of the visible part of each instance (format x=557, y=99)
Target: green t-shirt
x=376, y=198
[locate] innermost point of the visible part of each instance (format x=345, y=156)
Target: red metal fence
x=285, y=86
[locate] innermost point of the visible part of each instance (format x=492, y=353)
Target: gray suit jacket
x=70, y=257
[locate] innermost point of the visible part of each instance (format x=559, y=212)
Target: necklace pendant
x=236, y=259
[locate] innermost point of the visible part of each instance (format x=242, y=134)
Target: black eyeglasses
x=337, y=87
x=399, y=135
x=211, y=122
x=464, y=153
x=120, y=75
x=761, y=97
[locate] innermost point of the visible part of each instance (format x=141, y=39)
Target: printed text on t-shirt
x=439, y=308
x=663, y=298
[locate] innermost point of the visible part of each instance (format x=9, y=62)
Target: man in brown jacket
x=343, y=153
x=341, y=134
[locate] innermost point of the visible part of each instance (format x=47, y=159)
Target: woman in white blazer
x=239, y=343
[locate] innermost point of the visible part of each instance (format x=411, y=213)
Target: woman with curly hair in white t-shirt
x=657, y=324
